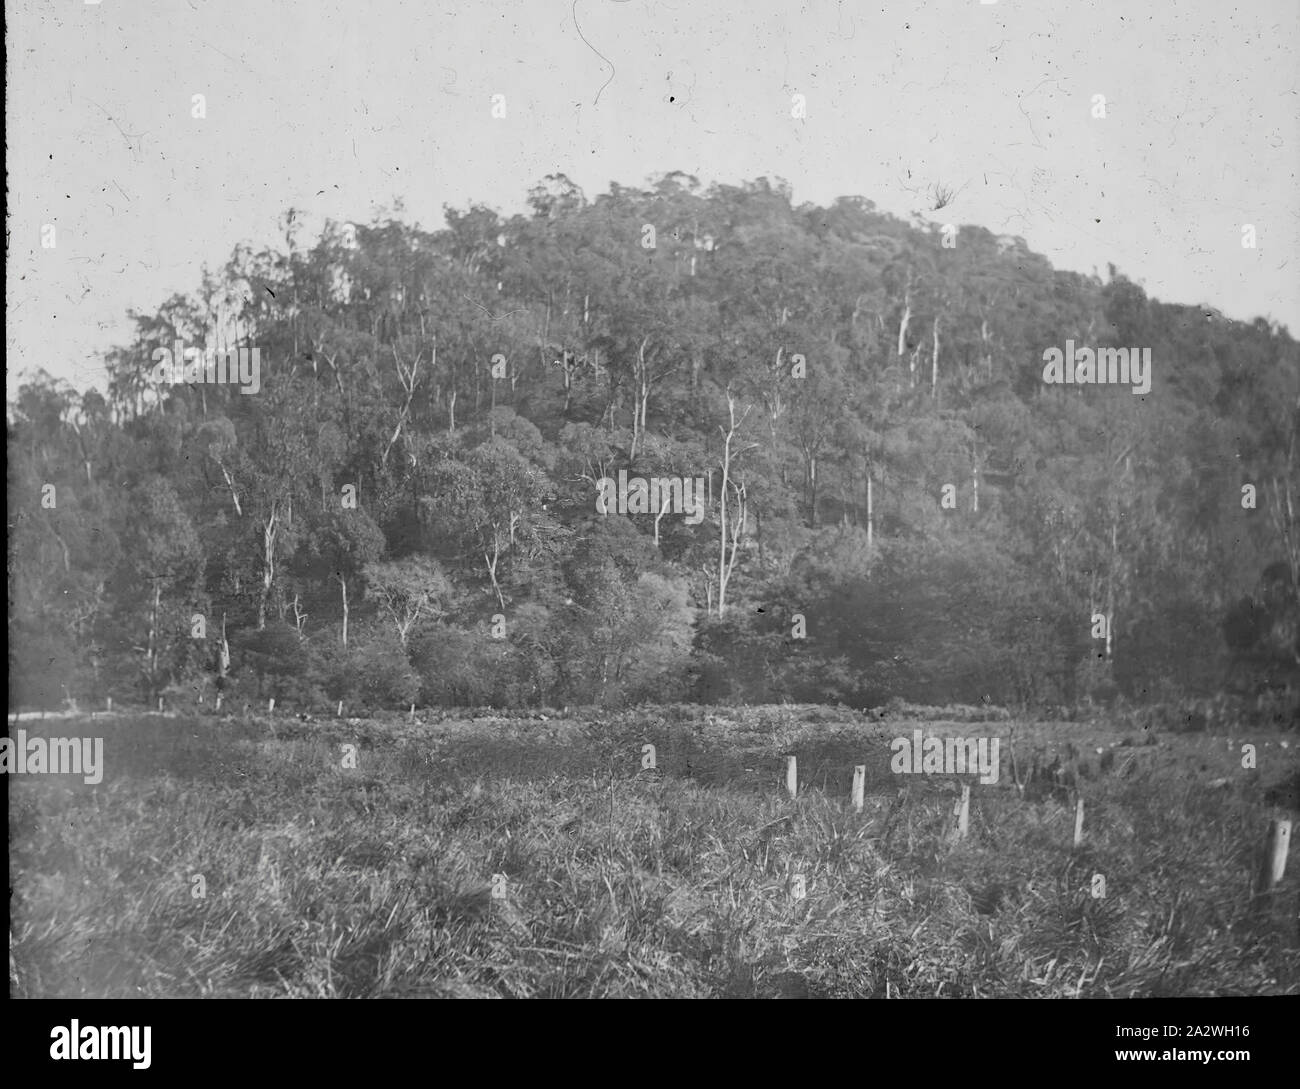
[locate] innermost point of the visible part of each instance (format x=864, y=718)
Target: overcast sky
x=338, y=107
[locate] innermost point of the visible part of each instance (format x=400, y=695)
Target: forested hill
x=401, y=502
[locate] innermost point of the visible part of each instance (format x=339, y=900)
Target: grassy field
x=531, y=856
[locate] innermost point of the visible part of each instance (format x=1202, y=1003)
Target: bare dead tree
x=733, y=524
x=408, y=376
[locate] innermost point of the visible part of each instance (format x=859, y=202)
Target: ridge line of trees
x=897, y=505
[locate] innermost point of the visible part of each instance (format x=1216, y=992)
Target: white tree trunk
x=904, y=321
x=934, y=364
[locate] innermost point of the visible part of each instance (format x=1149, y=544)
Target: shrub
x=382, y=676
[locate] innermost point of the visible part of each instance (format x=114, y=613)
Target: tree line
x=896, y=504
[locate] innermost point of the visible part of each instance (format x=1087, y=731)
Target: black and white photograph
x=641, y=499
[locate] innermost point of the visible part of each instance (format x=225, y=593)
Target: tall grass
x=377, y=881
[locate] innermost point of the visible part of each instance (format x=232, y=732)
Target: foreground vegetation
x=321, y=880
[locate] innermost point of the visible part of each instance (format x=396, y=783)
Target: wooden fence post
x=1078, y=822
x=340, y=713
x=859, y=785
x=791, y=776
x=1275, y=852
x=962, y=812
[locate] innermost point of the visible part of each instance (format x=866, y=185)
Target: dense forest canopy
x=895, y=503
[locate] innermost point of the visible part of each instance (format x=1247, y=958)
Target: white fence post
x=962, y=812
x=1275, y=851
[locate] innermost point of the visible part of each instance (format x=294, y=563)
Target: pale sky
x=337, y=107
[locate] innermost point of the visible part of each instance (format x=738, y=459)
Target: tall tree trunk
x=223, y=657
x=904, y=321
x=491, y=562
x=640, y=394
x=269, y=532
x=934, y=364
x=1110, y=585
x=871, y=519
x=812, y=493
x=151, y=652
x=727, y=563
